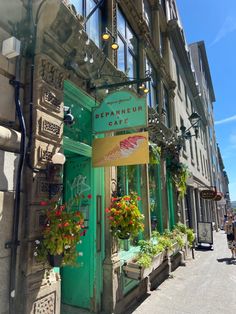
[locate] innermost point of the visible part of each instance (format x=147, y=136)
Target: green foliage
x=144, y=260
x=181, y=227
x=180, y=240
x=155, y=234
x=179, y=173
x=190, y=236
x=154, y=154
x=166, y=242
x=159, y=243
x=124, y=216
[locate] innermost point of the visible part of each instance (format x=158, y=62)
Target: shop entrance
x=82, y=286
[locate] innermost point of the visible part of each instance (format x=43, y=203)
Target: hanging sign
x=120, y=111
x=218, y=197
x=208, y=194
x=121, y=150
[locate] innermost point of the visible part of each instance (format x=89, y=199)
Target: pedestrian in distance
x=230, y=230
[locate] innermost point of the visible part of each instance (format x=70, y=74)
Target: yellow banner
x=121, y=150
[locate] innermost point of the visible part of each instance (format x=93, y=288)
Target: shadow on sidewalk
x=227, y=260
x=204, y=248
x=132, y=308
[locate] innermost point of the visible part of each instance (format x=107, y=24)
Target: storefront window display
x=128, y=180
x=154, y=198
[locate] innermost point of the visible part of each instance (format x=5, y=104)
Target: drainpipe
x=16, y=211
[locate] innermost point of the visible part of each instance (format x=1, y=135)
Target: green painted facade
x=82, y=286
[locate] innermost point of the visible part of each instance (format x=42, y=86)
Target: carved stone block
x=48, y=98
x=50, y=72
x=48, y=127
x=43, y=153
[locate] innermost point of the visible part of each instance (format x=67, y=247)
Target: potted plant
x=150, y=257
x=124, y=216
x=61, y=233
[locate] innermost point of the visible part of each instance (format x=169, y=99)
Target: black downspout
x=16, y=213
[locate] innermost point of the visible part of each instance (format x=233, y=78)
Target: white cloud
x=232, y=139
x=230, y=119
x=228, y=26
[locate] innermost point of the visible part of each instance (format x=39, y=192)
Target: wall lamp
x=53, y=174
x=194, y=119
x=68, y=119
x=107, y=35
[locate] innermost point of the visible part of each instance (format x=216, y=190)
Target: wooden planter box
x=133, y=271
x=175, y=249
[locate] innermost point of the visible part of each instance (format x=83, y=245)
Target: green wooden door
x=82, y=286
x=76, y=280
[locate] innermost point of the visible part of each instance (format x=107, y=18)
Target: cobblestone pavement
x=206, y=285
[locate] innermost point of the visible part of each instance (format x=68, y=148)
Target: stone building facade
x=63, y=63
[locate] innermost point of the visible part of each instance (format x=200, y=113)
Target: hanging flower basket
x=61, y=233
x=55, y=260
x=123, y=235
x=124, y=216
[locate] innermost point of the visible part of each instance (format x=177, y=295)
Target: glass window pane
x=132, y=40
x=130, y=65
x=94, y=23
x=78, y=4
x=153, y=195
x=121, y=55
x=121, y=23
x=147, y=12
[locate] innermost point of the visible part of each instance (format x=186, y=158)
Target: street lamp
x=194, y=119
x=107, y=35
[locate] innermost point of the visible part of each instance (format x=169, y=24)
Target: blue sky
x=214, y=21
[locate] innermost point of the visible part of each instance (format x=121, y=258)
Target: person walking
x=230, y=230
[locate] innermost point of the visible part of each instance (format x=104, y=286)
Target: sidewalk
x=207, y=285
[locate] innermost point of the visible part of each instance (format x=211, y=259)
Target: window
x=162, y=43
x=182, y=124
x=201, y=162
x=166, y=107
x=163, y=4
x=93, y=26
x=178, y=76
x=196, y=154
x=147, y=13
x=128, y=180
x=191, y=148
x=152, y=96
x=186, y=96
x=128, y=47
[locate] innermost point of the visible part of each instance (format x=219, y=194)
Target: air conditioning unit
x=11, y=47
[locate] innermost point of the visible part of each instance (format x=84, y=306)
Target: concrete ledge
x=159, y=275
x=132, y=298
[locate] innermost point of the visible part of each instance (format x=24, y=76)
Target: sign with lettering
x=218, y=196
x=208, y=194
x=121, y=150
x=120, y=111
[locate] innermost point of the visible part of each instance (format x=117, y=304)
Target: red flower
x=107, y=210
x=58, y=213
x=89, y=196
x=43, y=203
x=66, y=224
x=138, y=198
x=62, y=207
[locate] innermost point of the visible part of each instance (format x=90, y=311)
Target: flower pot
x=123, y=235
x=55, y=260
